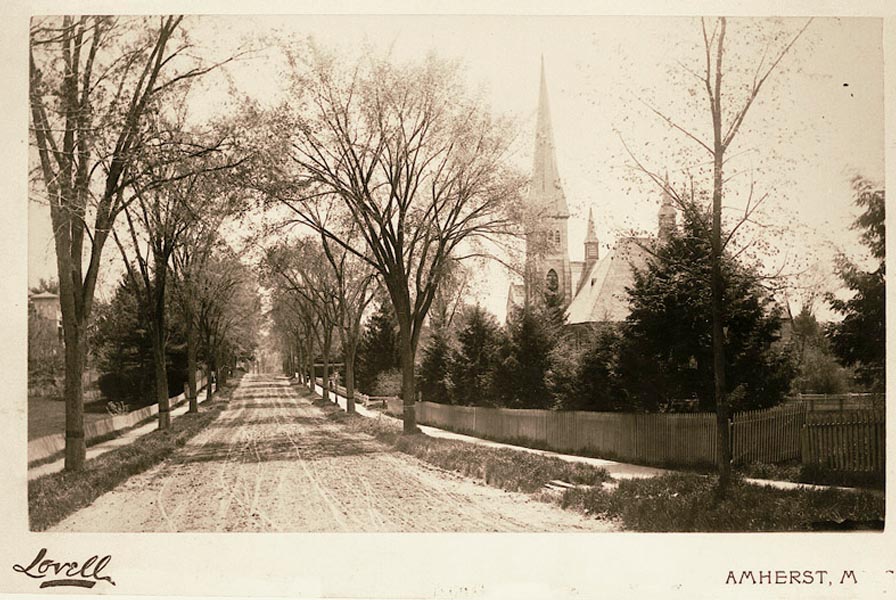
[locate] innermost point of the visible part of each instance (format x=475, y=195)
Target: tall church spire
x=545, y=191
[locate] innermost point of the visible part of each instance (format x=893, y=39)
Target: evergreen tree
x=123, y=347
x=378, y=349
x=434, y=381
x=597, y=379
x=524, y=365
x=473, y=362
x=860, y=339
x=667, y=351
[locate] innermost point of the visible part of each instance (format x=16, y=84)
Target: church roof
x=602, y=297
x=545, y=191
x=516, y=297
x=576, y=267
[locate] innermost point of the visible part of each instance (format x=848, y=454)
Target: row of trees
x=108, y=97
x=659, y=356
x=211, y=320
x=662, y=354
x=398, y=167
x=320, y=293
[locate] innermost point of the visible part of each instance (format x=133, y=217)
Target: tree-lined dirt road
x=273, y=462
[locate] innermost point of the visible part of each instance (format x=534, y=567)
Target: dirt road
x=273, y=462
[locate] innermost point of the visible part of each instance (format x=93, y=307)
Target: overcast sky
x=814, y=126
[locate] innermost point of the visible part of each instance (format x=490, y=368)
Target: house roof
x=43, y=296
x=603, y=296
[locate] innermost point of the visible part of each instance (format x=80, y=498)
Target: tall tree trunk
x=349, y=359
x=209, y=370
x=408, y=383
x=208, y=382
x=717, y=284
x=223, y=370
x=325, y=378
x=309, y=365
x=75, y=354
x=161, y=376
x=192, y=366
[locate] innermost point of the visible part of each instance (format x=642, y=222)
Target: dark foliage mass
x=659, y=359
x=434, y=381
x=123, y=347
x=666, y=351
x=860, y=339
x=522, y=374
x=378, y=349
x=473, y=361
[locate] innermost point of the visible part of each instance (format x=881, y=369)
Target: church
x=594, y=289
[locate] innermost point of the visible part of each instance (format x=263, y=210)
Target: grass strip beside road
x=53, y=497
x=504, y=468
x=685, y=502
x=688, y=502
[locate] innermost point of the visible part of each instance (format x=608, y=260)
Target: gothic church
x=593, y=289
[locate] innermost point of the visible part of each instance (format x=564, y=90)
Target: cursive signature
x=74, y=574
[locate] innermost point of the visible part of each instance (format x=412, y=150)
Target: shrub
x=387, y=383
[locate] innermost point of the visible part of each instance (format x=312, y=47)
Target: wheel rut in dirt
x=272, y=461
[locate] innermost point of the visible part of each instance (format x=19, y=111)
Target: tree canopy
x=667, y=353
x=860, y=339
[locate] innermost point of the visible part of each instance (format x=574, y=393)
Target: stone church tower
x=547, y=246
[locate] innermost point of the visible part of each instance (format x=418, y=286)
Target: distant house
x=594, y=290
x=46, y=306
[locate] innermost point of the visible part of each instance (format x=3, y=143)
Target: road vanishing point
x=274, y=462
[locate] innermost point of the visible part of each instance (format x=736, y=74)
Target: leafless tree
x=169, y=200
x=398, y=165
x=728, y=108
x=92, y=81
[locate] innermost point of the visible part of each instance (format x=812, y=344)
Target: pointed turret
x=545, y=191
x=666, y=215
x=592, y=246
x=592, y=251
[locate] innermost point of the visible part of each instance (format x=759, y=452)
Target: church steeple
x=546, y=192
x=666, y=216
x=592, y=247
x=547, y=244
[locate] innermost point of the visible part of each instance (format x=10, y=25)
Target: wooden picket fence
x=854, y=442
x=666, y=439
x=839, y=402
x=769, y=436
x=845, y=441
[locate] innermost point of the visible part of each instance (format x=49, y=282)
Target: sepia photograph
x=489, y=273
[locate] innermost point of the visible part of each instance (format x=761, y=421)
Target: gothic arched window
x=552, y=281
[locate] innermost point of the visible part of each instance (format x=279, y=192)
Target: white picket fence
x=779, y=434
x=48, y=445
